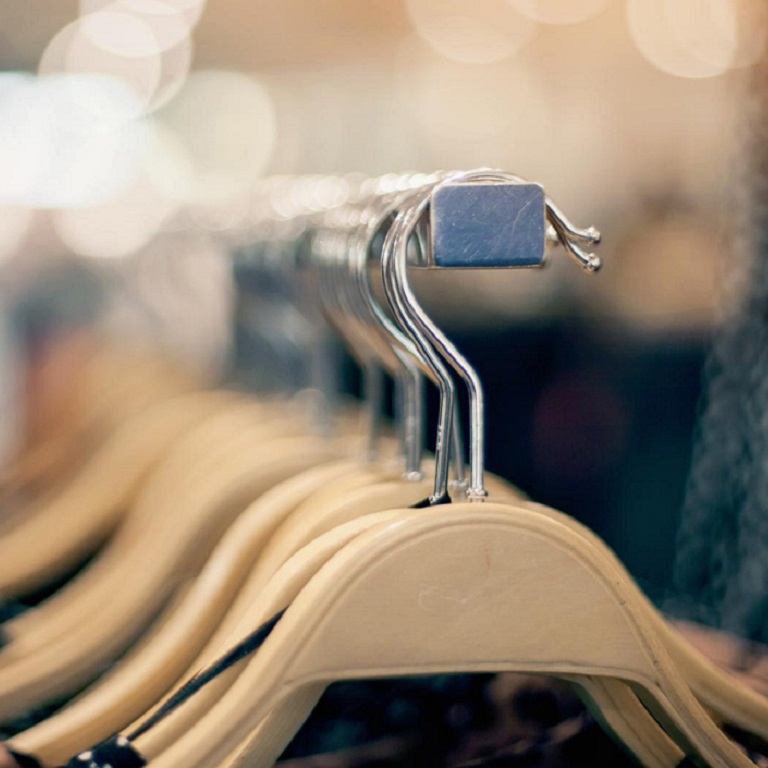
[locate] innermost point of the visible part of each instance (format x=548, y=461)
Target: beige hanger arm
x=620, y=712
x=315, y=520
x=466, y=588
x=726, y=697
x=63, y=529
x=266, y=565
x=623, y=712
x=177, y=543
x=271, y=737
x=151, y=670
x=618, y=707
x=212, y=416
x=613, y=702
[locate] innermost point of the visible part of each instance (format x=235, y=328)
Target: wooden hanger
x=68, y=525
x=463, y=588
x=177, y=542
x=306, y=526
x=134, y=685
x=618, y=708
x=715, y=688
x=226, y=414
x=623, y=713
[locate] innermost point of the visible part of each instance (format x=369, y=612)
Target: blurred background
x=132, y=133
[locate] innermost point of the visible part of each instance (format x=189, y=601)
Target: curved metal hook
x=428, y=336
x=409, y=357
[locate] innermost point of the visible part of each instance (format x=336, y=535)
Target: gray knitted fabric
x=722, y=552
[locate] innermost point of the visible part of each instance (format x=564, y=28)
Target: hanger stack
x=242, y=552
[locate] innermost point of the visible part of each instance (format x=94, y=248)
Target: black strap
x=116, y=752
x=430, y=502
x=240, y=651
x=24, y=761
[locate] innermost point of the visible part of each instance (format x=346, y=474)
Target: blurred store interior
x=132, y=133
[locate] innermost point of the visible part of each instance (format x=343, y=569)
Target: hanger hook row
x=434, y=345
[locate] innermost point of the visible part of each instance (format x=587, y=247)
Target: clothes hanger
x=177, y=541
x=225, y=414
x=84, y=512
x=730, y=700
x=155, y=746
x=429, y=607
x=481, y=497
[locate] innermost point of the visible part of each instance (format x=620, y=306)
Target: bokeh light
x=64, y=142
x=560, y=11
x=215, y=138
x=695, y=38
x=480, y=32
x=117, y=32
x=78, y=49
x=118, y=228
x=167, y=17
x=170, y=24
x=25, y=144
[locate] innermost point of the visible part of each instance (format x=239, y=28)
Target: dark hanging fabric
x=721, y=570
x=24, y=761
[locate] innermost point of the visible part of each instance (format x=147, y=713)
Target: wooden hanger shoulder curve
x=87, y=510
x=139, y=681
x=171, y=550
x=716, y=689
x=467, y=588
x=627, y=716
